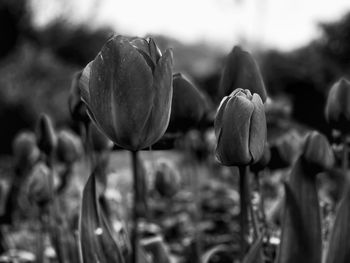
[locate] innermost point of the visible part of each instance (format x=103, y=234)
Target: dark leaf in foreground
x=215, y=250
x=96, y=241
x=301, y=230
x=339, y=245
x=254, y=254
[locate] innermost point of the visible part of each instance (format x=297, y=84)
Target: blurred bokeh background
x=302, y=47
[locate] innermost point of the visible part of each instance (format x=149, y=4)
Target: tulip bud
x=167, y=180
x=189, y=105
x=240, y=129
x=69, y=147
x=318, y=153
x=285, y=150
x=128, y=91
x=338, y=106
x=99, y=141
x=77, y=107
x=25, y=150
x=38, y=185
x=263, y=161
x=241, y=71
x=46, y=136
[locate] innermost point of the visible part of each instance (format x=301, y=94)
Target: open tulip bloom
x=128, y=91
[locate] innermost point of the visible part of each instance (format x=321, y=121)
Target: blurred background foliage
x=37, y=65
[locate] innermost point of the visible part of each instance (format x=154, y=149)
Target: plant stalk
x=137, y=207
x=243, y=190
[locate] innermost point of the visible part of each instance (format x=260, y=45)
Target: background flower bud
x=69, y=147
x=189, y=105
x=338, y=106
x=285, y=150
x=128, y=91
x=240, y=129
x=318, y=152
x=241, y=71
x=46, y=136
x=77, y=108
x=167, y=179
x=25, y=150
x=38, y=185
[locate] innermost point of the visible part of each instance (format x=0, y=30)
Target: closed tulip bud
x=241, y=71
x=318, y=153
x=77, y=107
x=38, y=185
x=240, y=129
x=69, y=147
x=99, y=141
x=167, y=180
x=285, y=150
x=263, y=161
x=128, y=91
x=46, y=136
x=189, y=105
x=25, y=150
x=338, y=106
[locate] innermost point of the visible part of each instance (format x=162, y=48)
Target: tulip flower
x=318, y=153
x=25, y=150
x=69, y=147
x=241, y=71
x=128, y=91
x=240, y=129
x=77, y=107
x=338, y=106
x=46, y=136
x=189, y=105
x=285, y=150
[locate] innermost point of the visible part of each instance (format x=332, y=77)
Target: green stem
x=243, y=185
x=197, y=213
x=262, y=200
x=254, y=220
x=137, y=207
x=345, y=154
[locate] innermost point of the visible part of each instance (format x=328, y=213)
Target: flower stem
x=345, y=154
x=137, y=206
x=243, y=189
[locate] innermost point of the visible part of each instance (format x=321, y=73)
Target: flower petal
x=233, y=147
x=158, y=121
x=257, y=138
x=121, y=92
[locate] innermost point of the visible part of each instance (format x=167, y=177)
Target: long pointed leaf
x=96, y=241
x=255, y=254
x=301, y=230
x=339, y=245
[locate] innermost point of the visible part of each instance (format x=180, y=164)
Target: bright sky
x=283, y=24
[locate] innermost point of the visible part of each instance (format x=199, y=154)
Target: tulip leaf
x=301, y=229
x=255, y=254
x=213, y=251
x=156, y=247
x=339, y=245
x=96, y=240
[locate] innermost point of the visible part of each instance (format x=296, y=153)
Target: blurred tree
x=307, y=73
x=13, y=21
